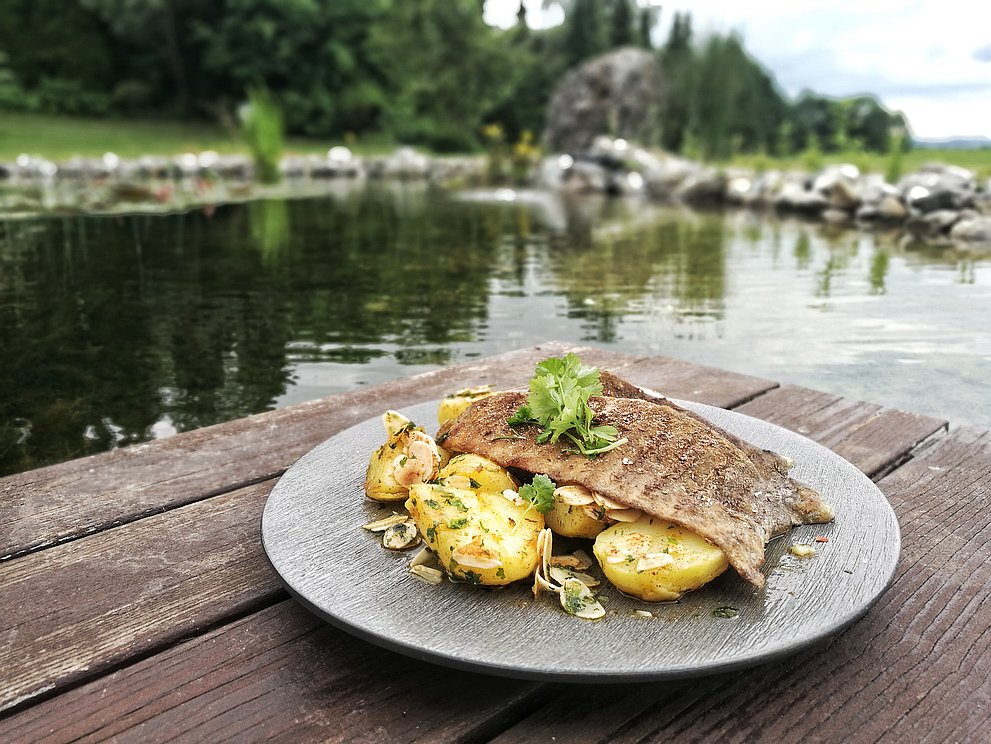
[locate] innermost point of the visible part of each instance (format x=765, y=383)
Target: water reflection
x=119, y=329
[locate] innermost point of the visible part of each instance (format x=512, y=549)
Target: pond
x=121, y=329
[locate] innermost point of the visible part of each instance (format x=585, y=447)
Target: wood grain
x=43, y=507
x=75, y=610
x=872, y=437
x=278, y=674
x=916, y=668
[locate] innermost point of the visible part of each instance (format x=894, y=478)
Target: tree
x=678, y=69
x=444, y=69
x=621, y=31
x=584, y=31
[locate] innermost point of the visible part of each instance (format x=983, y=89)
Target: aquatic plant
x=263, y=131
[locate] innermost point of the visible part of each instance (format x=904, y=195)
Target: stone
x=839, y=184
x=794, y=197
x=936, y=186
x=973, y=230
x=833, y=216
x=705, y=186
x=616, y=94
x=891, y=208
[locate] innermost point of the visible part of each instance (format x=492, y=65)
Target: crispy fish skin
x=676, y=467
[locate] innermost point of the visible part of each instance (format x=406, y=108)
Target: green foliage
x=585, y=32
x=812, y=155
x=444, y=70
x=540, y=493
x=621, y=29
x=263, y=131
x=896, y=155
x=429, y=72
x=677, y=65
x=719, y=99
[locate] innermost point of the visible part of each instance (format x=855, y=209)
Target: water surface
x=120, y=329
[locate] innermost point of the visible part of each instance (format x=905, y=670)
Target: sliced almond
x=560, y=573
x=623, y=515
x=380, y=525
x=573, y=495
x=430, y=575
x=578, y=600
x=401, y=536
x=651, y=561
x=423, y=558
x=475, y=556
x=585, y=560
x=607, y=503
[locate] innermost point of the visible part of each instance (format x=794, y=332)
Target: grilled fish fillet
x=676, y=467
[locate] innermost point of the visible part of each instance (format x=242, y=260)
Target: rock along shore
x=937, y=203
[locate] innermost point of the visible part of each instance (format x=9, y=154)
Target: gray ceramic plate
x=311, y=531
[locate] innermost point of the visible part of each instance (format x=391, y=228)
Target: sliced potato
x=454, y=404
x=478, y=536
x=576, y=512
x=409, y=455
x=575, y=521
x=656, y=561
x=475, y=473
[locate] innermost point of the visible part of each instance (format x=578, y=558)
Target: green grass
x=62, y=137
x=978, y=161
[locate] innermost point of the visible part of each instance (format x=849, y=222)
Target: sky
x=930, y=60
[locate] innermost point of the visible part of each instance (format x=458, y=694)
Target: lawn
x=62, y=137
x=978, y=161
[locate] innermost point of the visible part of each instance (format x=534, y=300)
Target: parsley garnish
x=558, y=401
x=457, y=524
x=540, y=493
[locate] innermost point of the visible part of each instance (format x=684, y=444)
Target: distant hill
x=954, y=143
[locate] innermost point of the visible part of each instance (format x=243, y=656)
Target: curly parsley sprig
x=558, y=402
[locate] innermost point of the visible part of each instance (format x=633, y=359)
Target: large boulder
x=618, y=93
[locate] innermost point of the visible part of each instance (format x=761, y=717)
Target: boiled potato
x=476, y=473
x=454, y=404
x=574, y=521
x=408, y=456
x=479, y=536
x=656, y=561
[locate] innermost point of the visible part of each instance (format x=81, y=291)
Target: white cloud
x=930, y=60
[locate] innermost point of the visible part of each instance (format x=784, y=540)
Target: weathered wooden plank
x=916, y=668
x=277, y=674
x=679, y=379
x=42, y=507
x=872, y=437
x=82, y=607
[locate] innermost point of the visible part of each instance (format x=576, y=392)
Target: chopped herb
x=403, y=460
x=457, y=504
x=482, y=525
x=474, y=483
x=432, y=532
x=457, y=524
x=432, y=504
x=475, y=579
x=540, y=493
x=558, y=402
x=501, y=573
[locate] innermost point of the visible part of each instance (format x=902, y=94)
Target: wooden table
x=136, y=603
